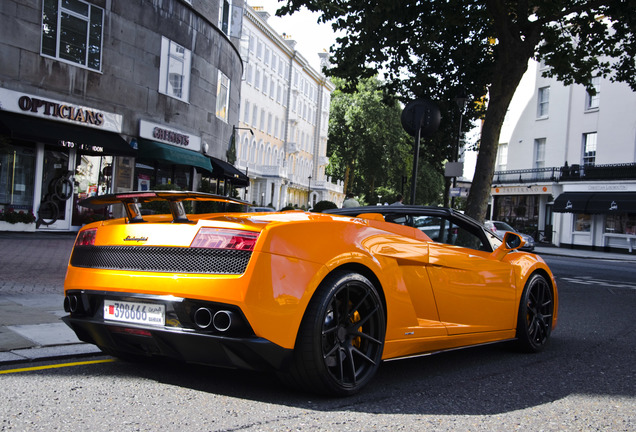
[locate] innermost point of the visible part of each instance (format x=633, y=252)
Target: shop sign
x=56, y=110
x=168, y=135
x=521, y=190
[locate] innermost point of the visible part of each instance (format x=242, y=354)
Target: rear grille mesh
x=161, y=259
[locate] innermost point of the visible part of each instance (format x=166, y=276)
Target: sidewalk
x=32, y=270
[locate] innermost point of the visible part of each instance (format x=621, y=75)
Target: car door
x=473, y=292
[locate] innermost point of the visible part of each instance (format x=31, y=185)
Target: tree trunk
x=512, y=63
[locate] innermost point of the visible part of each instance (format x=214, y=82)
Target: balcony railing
x=567, y=173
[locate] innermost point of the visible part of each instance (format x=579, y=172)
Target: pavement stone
x=32, y=270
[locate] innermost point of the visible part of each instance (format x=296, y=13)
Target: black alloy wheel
x=536, y=309
x=340, y=342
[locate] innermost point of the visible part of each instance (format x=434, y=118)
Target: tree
x=438, y=48
x=368, y=147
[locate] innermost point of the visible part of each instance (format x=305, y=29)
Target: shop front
x=169, y=158
x=527, y=208
x=597, y=217
x=54, y=153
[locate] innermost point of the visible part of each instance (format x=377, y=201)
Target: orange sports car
x=319, y=298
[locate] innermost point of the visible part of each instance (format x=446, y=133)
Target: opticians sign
x=51, y=109
x=168, y=135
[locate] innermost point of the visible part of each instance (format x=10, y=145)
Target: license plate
x=133, y=312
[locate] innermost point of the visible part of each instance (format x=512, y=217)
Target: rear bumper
x=243, y=353
x=179, y=338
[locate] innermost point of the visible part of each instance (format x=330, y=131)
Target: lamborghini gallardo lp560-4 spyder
x=321, y=299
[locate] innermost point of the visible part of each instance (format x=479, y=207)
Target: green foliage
x=13, y=217
x=437, y=49
x=324, y=205
x=367, y=146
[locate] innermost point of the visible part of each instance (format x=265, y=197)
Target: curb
x=49, y=353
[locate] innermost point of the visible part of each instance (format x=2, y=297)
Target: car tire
x=536, y=309
x=341, y=337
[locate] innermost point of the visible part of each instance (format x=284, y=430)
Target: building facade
x=567, y=170
x=282, y=136
x=100, y=96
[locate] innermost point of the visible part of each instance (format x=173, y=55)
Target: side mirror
x=511, y=241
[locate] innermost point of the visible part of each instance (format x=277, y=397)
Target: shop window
x=582, y=223
x=72, y=31
x=17, y=171
x=621, y=224
x=543, y=102
x=174, y=73
x=222, y=96
x=93, y=176
x=589, y=148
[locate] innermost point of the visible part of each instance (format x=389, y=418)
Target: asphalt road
x=583, y=381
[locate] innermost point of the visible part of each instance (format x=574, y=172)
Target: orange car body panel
x=475, y=300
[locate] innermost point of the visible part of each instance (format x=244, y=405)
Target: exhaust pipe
x=222, y=320
x=71, y=303
x=203, y=318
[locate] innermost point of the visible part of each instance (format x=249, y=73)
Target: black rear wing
x=131, y=201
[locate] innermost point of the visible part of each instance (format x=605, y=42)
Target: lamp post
x=460, y=100
x=231, y=152
x=309, y=194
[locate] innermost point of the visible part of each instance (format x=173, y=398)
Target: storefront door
x=55, y=206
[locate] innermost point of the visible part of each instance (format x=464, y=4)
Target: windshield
x=502, y=226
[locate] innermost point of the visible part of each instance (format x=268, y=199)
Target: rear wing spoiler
x=131, y=201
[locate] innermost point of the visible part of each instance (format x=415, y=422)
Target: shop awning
x=612, y=202
x=87, y=140
x=150, y=151
x=571, y=202
x=595, y=202
x=227, y=171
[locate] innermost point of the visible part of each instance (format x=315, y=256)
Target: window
x=539, y=152
x=224, y=16
x=502, y=157
x=254, y=115
x=589, y=148
x=252, y=42
x=72, y=32
x=259, y=49
x=267, y=54
x=262, y=123
x=174, y=73
x=257, y=78
x=248, y=74
x=222, y=96
x=592, y=101
x=265, y=83
x=621, y=223
x=582, y=222
x=543, y=102
x=246, y=113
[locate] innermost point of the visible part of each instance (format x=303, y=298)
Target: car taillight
x=215, y=238
x=86, y=237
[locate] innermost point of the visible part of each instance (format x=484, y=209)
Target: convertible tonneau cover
x=131, y=201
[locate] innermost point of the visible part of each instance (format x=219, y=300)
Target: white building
x=281, y=139
x=568, y=166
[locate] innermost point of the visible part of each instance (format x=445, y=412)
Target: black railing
x=567, y=173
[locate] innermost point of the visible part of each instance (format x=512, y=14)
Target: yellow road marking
x=35, y=368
